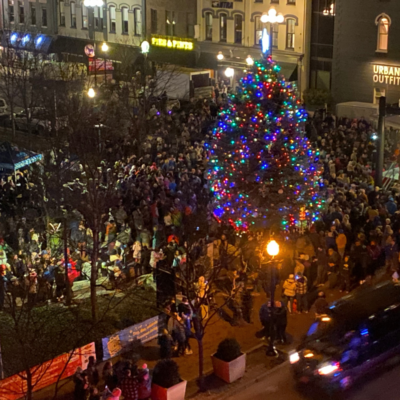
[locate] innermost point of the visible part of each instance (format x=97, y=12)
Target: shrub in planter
x=229, y=362
x=166, y=373
x=167, y=383
x=228, y=350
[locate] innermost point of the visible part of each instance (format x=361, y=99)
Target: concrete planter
x=176, y=392
x=229, y=371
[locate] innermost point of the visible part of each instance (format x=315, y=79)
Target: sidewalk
x=257, y=362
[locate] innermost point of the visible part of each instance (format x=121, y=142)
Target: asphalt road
x=279, y=385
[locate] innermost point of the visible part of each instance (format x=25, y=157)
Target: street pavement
x=279, y=385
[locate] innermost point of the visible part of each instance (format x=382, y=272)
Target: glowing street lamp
x=220, y=56
x=273, y=248
x=249, y=60
x=104, y=47
x=145, y=47
x=91, y=93
x=272, y=17
x=229, y=72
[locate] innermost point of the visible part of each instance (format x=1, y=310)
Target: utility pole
x=380, y=142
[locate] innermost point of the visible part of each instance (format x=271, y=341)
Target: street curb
x=245, y=386
x=241, y=388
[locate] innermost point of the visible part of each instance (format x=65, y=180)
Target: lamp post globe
x=220, y=56
x=273, y=248
x=249, y=61
x=104, y=47
x=91, y=93
x=145, y=46
x=229, y=72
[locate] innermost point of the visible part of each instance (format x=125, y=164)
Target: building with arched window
x=234, y=29
x=366, y=51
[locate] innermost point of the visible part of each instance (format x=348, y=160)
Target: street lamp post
x=272, y=17
x=229, y=73
x=104, y=49
x=272, y=250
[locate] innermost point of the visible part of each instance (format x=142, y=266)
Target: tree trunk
x=29, y=387
x=201, y=364
x=68, y=294
x=93, y=275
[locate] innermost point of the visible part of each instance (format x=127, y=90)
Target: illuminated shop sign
x=386, y=74
x=172, y=43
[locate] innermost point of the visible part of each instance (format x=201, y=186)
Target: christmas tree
x=263, y=170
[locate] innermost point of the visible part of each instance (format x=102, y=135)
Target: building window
x=153, y=14
x=62, y=13
x=85, y=21
x=21, y=12
x=125, y=20
x=378, y=93
x=169, y=23
x=98, y=18
x=275, y=33
x=32, y=7
x=290, y=24
x=383, y=34
x=238, y=29
x=113, y=24
x=291, y=2
x=73, y=14
x=259, y=1
x=11, y=17
x=137, y=15
x=222, y=27
x=274, y=1
x=209, y=24
x=44, y=17
x=190, y=25
x=257, y=30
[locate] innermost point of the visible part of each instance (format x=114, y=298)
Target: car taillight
x=328, y=369
x=294, y=358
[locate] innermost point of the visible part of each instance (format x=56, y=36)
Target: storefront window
x=238, y=29
x=290, y=24
x=222, y=27
x=275, y=32
x=209, y=23
x=73, y=14
x=169, y=23
x=113, y=24
x=138, y=21
x=84, y=17
x=383, y=34
x=125, y=20
x=257, y=30
x=98, y=18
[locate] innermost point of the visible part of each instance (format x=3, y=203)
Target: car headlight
x=328, y=369
x=294, y=358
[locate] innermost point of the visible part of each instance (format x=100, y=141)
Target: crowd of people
x=158, y=193
x=112, y=381
x=161, y=192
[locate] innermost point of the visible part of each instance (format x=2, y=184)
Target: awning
x=13, y=158
x=289, y=71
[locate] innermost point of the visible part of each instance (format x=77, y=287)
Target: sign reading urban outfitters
x=171, y=43
x=387, y=74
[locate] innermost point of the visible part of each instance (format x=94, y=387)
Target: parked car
x=39, y=121
x=3, y=107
